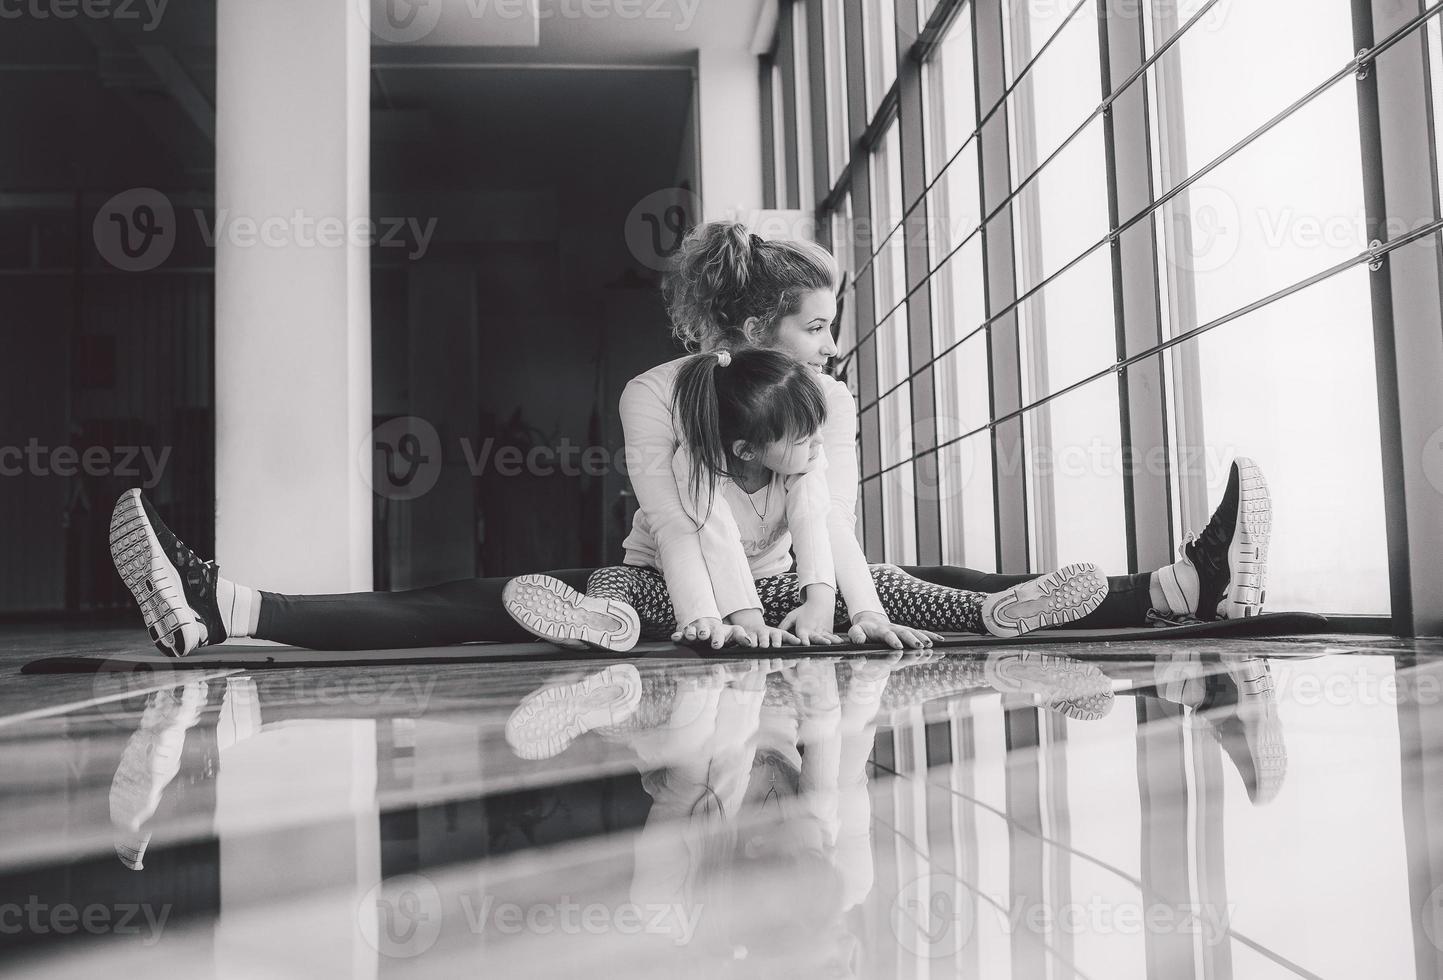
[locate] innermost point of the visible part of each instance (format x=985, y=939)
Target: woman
x=730, y=289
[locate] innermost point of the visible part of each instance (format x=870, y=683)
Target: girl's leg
x=910, y=601
x=644, y=589
x=1129, y=597
x=621, y=604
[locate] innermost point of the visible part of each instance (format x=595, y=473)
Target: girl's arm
x=703, y=583
x=839, y=442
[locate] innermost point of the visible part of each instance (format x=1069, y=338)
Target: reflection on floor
x=1188, y=809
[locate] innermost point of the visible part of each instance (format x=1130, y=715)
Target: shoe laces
x=1158, y=619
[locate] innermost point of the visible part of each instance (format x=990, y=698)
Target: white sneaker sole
x=174, y=627
x=1063, y=596
x=549, y=720
x=1078, y=690
x=1248, y=551
x=554, y=611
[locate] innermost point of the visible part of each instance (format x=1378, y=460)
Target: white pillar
x=729, y=110
x=293, y=354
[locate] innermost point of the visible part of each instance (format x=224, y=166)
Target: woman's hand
x=873, y=627
x=812, y=622
x=763, y=636
x=719, y=633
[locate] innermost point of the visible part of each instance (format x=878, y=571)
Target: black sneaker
x=175, y=589
x=1231, y=555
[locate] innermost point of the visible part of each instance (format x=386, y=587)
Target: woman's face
x=806, y=335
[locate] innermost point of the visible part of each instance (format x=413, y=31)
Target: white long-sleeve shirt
x=708, y=572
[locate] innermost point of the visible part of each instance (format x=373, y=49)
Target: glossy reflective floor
x=1180, y=810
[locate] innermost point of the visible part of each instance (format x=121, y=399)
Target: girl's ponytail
x=695, y=406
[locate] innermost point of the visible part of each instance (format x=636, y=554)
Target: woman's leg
x=456, y=612
x=1129, y=597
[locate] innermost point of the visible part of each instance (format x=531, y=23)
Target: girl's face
x=792, y=456
x=806, y=335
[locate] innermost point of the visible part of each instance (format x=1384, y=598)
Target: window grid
x=956, y=243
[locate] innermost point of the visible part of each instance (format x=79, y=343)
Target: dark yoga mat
x=261, y=657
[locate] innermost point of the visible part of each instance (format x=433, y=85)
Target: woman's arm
x=703, y=582
x=807, y=503
x=839, y=442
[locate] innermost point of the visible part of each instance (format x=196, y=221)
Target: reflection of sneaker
x=1243, y=717
x=148, y=764
x=554, y=611
x=1223, y=571
x=1078, y=690
x=175, y=589
x=548, y=720
x=1059, y=597
x=1239, y=709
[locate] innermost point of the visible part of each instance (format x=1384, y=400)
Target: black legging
x=470, y=610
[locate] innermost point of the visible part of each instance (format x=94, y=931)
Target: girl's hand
x=874, y=628
x=763, y=636
x=719, y=633
x=812, y=623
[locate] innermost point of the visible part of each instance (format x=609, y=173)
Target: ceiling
x=111, y=103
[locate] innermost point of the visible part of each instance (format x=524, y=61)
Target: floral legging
x=906, y=600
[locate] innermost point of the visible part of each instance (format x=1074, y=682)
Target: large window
x=839, y=140
x=1079, y=302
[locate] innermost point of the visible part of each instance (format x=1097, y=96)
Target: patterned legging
x=906, y=600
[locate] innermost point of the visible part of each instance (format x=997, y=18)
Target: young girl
x=750, y=423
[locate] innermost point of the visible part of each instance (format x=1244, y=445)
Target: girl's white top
x=709, y=570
